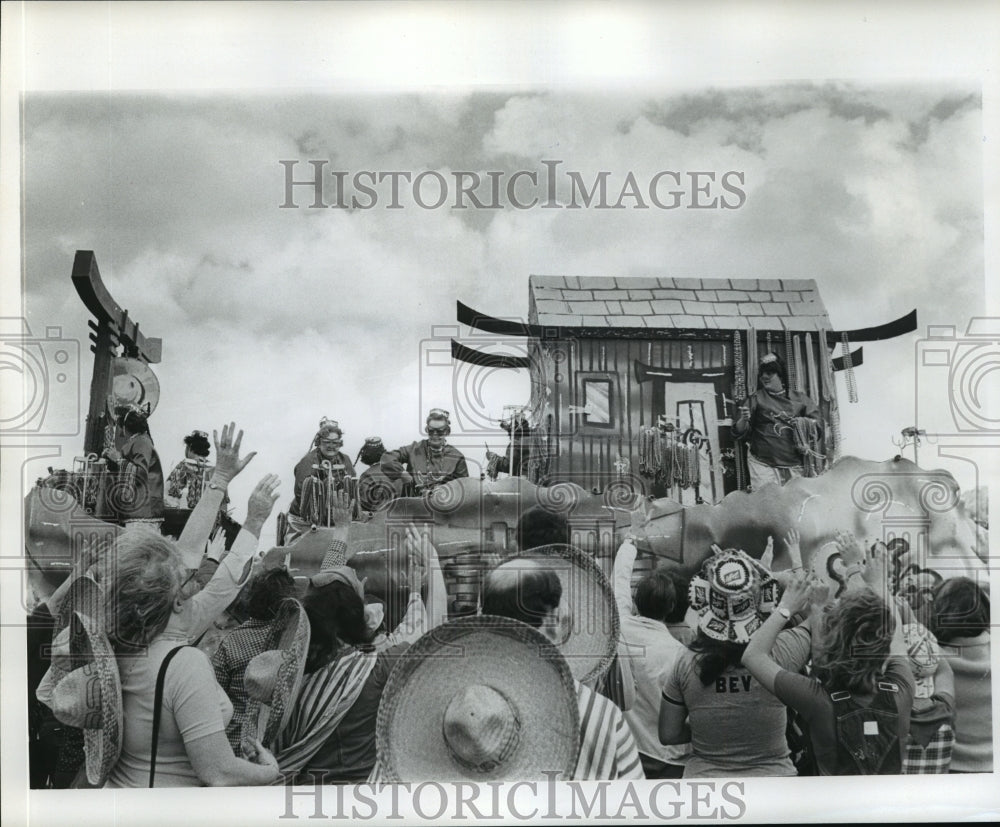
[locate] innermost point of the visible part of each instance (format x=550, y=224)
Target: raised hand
x=792, y=539
x=340, y=508
x=850, y=549
x=796, y=594
x=767, y=558
x=227, y=454
x=876, y=573
x=262, y=499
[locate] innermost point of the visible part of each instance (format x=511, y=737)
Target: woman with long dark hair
x=858, y=701
x=735, y=725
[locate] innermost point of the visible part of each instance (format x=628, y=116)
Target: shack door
x=691, y=409
x=697, y=403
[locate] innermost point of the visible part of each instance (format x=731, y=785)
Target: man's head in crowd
x=961, y=609
x=529, y=591
x=540, y=527
x=662, y=595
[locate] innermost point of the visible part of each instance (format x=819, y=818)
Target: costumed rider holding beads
x=323, y=470
x=779, y=425
x=430, y=462
x=140, y=497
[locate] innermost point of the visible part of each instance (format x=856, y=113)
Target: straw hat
x=479, y=699
x=83, y=595
x=588, y=598
x=90, y=698
x=731, y=596
x=273, y=678
x=133, y=383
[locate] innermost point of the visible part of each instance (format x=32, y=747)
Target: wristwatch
x=781, y=610
x=216, y=487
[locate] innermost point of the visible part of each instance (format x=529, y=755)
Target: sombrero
x=90, y=698
x=479, y=699
x=273, y=678
x=732, y=594
x=69, y=645
x=589, y=599
x=133, y=383
x=84, y=595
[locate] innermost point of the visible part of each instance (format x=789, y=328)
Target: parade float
x=634, y=383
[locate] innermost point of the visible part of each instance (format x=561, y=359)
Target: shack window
x=597, y=401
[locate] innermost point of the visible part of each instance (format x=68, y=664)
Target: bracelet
x=781, y=610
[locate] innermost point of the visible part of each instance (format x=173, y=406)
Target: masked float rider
x=769, y=421
x=430, y=462
x=325, y=461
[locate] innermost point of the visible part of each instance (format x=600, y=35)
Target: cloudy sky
x=276, y=317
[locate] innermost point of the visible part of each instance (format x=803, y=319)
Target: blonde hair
x=146, y=577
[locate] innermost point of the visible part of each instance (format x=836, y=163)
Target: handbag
x=157, y=705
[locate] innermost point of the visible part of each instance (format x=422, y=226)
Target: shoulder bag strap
x=157, y=705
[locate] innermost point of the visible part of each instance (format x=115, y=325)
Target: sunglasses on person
x=438, y=431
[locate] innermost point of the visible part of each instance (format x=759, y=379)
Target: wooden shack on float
x=635, y=381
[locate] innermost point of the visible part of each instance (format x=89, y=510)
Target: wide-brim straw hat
x=84, y=595
x=90, y=698
x=732, y=595
x=274, y=677
x=479, y=699
x=588, y=598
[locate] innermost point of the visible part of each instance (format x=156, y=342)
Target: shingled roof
x=719, y=304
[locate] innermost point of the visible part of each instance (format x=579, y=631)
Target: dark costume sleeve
x=393, y=463
x=348, y=465
x=809, y=407
x=303, y=469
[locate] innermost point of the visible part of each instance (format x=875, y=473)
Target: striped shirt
x=607, y=746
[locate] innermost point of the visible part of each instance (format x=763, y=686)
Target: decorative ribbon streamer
x=751, y=362
x=800, y=384
x=829, y=396
x=811, y=368
x=852, y=383
x=739, y=375
x=790, y=366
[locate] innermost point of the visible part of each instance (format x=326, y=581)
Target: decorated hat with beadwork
x=732, y=595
